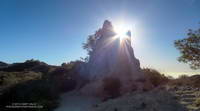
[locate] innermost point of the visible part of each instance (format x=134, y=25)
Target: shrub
x=62, y=79
x=111, y=87
x=8, y=79
x=195, y=81
x=36, y=82
x=183, y=80
x=197, y=102
x=155, y=77
x=183, y=76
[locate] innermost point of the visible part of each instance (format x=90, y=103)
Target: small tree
x=190, y=49
x=91, y=44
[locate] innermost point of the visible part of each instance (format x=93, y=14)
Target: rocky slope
x=142, y=101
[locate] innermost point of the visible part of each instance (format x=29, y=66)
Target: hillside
x=36, y=82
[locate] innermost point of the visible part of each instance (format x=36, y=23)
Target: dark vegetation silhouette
x=92, y=40
x=155, y=77
x=36, y=82
x=190, y=49
x=3, y=64
x=184, y=80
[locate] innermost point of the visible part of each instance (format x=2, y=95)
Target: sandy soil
x=74, y=101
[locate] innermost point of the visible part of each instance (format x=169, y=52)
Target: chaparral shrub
x=155, y=77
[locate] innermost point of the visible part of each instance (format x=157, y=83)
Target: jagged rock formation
x=113, y=57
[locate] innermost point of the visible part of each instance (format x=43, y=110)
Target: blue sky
x=53, y=30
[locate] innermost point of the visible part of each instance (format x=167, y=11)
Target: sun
x=121, y=31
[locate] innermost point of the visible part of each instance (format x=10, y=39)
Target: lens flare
x=121, y=32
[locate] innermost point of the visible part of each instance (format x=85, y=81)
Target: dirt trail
x=74, y=101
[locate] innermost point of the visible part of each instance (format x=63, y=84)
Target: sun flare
x=121, y=31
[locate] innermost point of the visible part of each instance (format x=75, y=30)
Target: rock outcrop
x=113, y=57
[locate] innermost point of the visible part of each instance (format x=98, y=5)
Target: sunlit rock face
x=113, y=57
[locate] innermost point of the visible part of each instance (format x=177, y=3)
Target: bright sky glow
x=121, y=28
x=121, y=32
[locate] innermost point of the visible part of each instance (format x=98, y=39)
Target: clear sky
x=53, y=30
